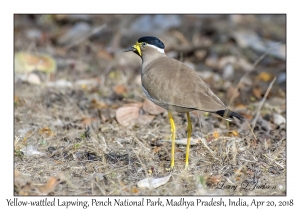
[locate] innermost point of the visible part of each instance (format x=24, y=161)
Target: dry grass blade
x=96, y=30
x=274, y=161
x=261, y=103
x=211, y=152
x=251, y=131
x=140, y=143
x=183, y=141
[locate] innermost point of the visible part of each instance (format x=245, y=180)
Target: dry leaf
x=98, y=104
x=25, y=133
x=216, y=134
x=152, y=108
x=139, y=104
x=153, y=182
x=145, y=119
x=26, y=62
x=127, y=115
x=257, y=92
x=241, y=107
x=235, y=133
x=134, y=190
x=248, y=117
x=47, y=131
x=213, y=180
x=18, y=101
x=19, y=183
x=51, y=184
x=120, y=89
x=88, y=120
x=17, y=174
x=265, y=76
x=156, y=149
x=28, y=189
x=33, y=79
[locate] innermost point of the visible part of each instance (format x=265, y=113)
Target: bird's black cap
x=152, y=40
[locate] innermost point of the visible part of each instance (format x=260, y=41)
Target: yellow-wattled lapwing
x=175, y=86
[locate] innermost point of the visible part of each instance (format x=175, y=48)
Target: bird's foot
x=186, y=167
x=170, y=169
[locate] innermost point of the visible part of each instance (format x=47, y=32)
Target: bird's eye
x=144, y=44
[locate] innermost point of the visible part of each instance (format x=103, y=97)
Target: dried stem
x=262, y=102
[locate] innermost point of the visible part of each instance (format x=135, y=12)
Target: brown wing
x=174, y=83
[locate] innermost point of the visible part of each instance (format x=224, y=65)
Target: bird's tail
x=227, y=114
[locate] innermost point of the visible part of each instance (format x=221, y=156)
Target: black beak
x=129, y=49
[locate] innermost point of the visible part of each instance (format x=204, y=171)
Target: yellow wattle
x=138, y=48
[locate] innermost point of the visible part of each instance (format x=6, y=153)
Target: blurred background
x=71, y=74
x=223, y=48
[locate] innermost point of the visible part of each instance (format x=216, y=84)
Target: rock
x=228, y=71
x=278, y=119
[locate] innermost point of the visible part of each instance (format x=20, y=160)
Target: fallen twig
x=95, y=30
x=262, y=102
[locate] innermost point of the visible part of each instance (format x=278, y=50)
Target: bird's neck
x=150, y=58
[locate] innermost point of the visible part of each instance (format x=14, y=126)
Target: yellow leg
x=173, y=130
x=189, y=129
